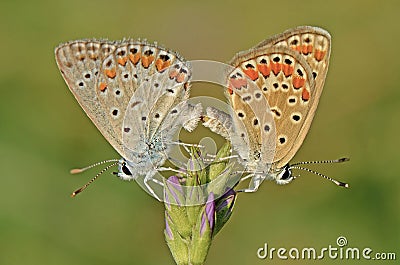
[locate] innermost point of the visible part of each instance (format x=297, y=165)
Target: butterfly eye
x=285, y=176
x=126, y=170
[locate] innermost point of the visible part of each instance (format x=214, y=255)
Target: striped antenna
x=340, y=160
x=79, y=170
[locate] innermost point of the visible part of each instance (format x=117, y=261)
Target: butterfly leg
x=210, y=157
x=157, y=182
x=171, y=169
x=247, y=177
x=255, y=183
x=149, y=176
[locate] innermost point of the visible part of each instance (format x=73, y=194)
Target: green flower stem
x=189, y=228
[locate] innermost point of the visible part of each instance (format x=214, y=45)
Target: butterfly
x=274, y=90
x=135, y=93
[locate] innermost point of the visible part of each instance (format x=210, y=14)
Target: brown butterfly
x=274, y=90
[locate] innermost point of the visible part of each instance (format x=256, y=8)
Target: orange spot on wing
x=287, y=69
x=103, y=87
x=264, y=69
x=310, y=48
x=296, y=48
x=161, y=65
x=237, y=83
x=134, y=58
x=319, y=55
x=276, y=67
x=180, y=77
x=147, y=60
x=122, y=61
x=305, y=95
x=306, y=49
x=111, y=73
x=230, y=90
x=298, y=82
x=173, y=74
x=251, y=73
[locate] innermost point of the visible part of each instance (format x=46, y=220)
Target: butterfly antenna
x=340, y=160
x=80, y=170
x=95, y=177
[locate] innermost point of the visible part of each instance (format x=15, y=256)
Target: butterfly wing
x=80, y=65
x=313, y=44
x=157, y=110
x=103, y=76
x=285, y=80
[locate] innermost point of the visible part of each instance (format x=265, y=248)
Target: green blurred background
x=44, y=133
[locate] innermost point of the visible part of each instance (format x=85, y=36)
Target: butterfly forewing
x=311, y=43
x=80, y=63
x=280, y=74
x=314, y=44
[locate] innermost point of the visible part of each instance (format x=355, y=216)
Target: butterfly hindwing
x=116, y=84
x=157, y=110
